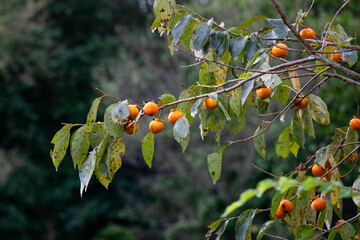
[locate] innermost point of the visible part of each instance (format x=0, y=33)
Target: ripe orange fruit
x=263, y=92
x=318, y=204
x=353, y=158
x=129, y=128
x=278, y=50
x=286, y=206
x=324, y=179
x=210, y=103
x=156, y=126
x=151, y=109
x=134, y=111
x=280, y=214
x=327, y=164
x=174, y=116
x=357, y=238
x=307, y=33
x=337, y=58
x=318, y=171
x=355, y=123
x=300, y=103
x=337, y=223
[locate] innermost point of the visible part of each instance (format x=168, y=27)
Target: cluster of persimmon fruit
x=286, y=207
x=157, y=125
x=280, y=50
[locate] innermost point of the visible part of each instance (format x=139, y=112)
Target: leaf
x=86, y=171
x=318, y=110
x=214, y=164
x=265, y=229
x=219, y=41
x=329, y=210
x=259, y=142
x=114, y=129
x=201, y=35
x=237, y=45
x=280, y=29
x=307, y=121
x=351, y=137
x=294, y=147
x=181, y=129
x=283, y=146
x=251, y=48
x=297, y=131
x=167, y=98
x=221, y=230
x=195, y=107
x=275, y=201
x=347, y=231
x=350, y=57
x=178, y=30
x=120, y=112
x=304, y=232
x=212, y=227
x=243, y=224
x=235, y=101
x=356, y=198
x=91, y=117
x=186, y=93
x=250, y=21
x=282, y=94
x=116, y=151
x=263, y=186
x=246, y=90
x=102, y=170
x=148, y=148
x=295, y=81
x=79, y=146
x=270, y=80
x=61, y=143
x=185, y=142
x=223, y=110
x=96, y=135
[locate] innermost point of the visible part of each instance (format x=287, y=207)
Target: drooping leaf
x=148, y=148
x=214, y=161
x=318, y=110
x=347, y=231
x=356, y=198
x=116, y=151
x=282, y=93
x=259, y=141
x=297, y=131
x=212, y=227
x=265, y=229
x=221, y=230
x=280, y=29
x=329, y=210
x=351, y=137
x=201, y=35
x=237, y=45
x=294, y=147
x=79, y=145
x=97, y=134
x=251, y=47
x=350, y=57
x=235, y=101
x=86, y=171
x=91, y=117
x=61, y=143
x=102, y=169
x=195, y=107
x=181, y=129
x=283, y=146
x=307, y=121
x=275, y=203
x=243, y=224
x=246, y=90
x=295, y=81
x=219, y=41
x=120, y=112
x=179, y=28
x=114, y=129
x=167, y=98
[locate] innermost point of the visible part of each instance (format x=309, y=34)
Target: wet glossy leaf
x=79, y=145
x=243, y=224
x=265, y=229
x=181, y=129
x=280, y=29
x=148, y=148
x=237, y=45
x=201, y=35
x=246, y=90
x=120, y=112
x=297, y=131
x=283, y=146
x=259, y=142
x=318, y=110
x=219, y=42
x=221, y=230
x=61, y=143
x=114, y=129
x=251, y=47
x=195, y=107
x=86, y=171
x=179, y=28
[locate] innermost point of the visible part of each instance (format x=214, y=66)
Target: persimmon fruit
x=337, y=58
x=317, y=170
x=210, y=103
x=286, y=206
x=307, y=33
x=174, y=116
x=300, y=103
x=151, y=108
x=279, y=50
x=280, y=214
x=129, y=128
x=318, y=204
x=338, y=223
x=355, y=124
x=353, y=158
x=134, y=111
x=263, y=92
x=156, y=126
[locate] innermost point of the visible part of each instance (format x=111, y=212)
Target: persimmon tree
x=242, y=69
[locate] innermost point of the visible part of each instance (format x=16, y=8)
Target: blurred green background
x=52, y=56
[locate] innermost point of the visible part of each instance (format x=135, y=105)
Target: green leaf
x=116, y=151
x=237, y=45
x=214, y=161
x=351, y=137
x=185, y=142
x=201, y=35
x=347, y=231
x=270, y=80
x=102, y=169
x=86, y=171
x=356, y=198
x=178, y=30
x=275, y=203
x=265, y=229
x=243, y=224
x=282, y=94
x=297, y=131
x=221, y=230
x=250, y=21
x=280, y=29
x=302, y=231
x=307, y=121
x=259, y=141
x=223, y=110
x=167, y=98
x=246, y=90
x=350, y=57
x=235, y=101
x=285, y=183
x=219, y=42
x=283, y=146
x=91, y=117
x=148, y=148
x=120, y=112
x=212, y=227
x=263, y=186
x=329, y=210
x=79, y=146
x=318, y=110
x=164, y=11
x=112, y=128
x=61, y=143
x=97, y=134
x=181, y=129
x=195, y=107
x=251, y=47
x=309, y=183
x=186, y=93
x=294, y=147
